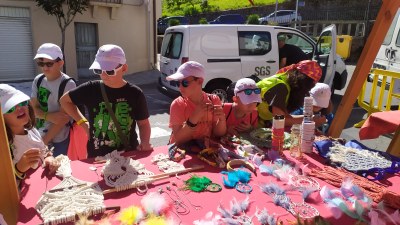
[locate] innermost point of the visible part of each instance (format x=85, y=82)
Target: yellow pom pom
x=156, y=220
x=131, y=215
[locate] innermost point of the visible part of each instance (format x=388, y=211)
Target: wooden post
x=8, y=192
x=383, y=20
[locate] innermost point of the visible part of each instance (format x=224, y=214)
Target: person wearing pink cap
x=26, y=145
x=126, y=100
x=285, y=92
x=195, y=115
x=241, y=115
x=52, y=121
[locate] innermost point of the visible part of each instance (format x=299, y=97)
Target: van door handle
x=387, y=53
x=271, y=61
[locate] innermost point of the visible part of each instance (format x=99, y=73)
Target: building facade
x=24, y=26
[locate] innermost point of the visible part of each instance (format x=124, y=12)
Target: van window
x=254, y=43
x=172, y=45
x=389, y=34
x=298, y=41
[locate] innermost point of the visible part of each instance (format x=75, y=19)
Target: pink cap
x=243, y=84
x=108, y=57
x=188, y=69
x=49, y=51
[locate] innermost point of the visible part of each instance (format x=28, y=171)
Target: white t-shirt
x=22, y=143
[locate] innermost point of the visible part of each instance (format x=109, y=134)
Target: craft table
x=38, y=182
x=380, y=123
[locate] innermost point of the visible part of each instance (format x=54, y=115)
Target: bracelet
x=240, y=162
x=45, y=115
x=81, y=121
x=18, y=173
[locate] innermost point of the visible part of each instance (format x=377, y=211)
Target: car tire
x=218, y=89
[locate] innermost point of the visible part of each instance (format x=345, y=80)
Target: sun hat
x=321, y=94
x=190, y=68
x=108, y=57
x=306, y=67
x=10, y=97
x=243, y=84
x=49, y=51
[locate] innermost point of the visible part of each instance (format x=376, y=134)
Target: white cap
x=243, y=84
x=10, y=97
x=321, y=94
x=190, y=68
x=49, y=51
x=108, y=57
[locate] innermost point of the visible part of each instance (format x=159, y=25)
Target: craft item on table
x=211, y=157
x=70, y=197
x=241, y=163
x=307, y=136
x=308, y=108
x=238, y=179
x=227, y=154
x=379, y=216
x=175, y=154
x=362, y=161
x=278, y=133
x=295, y=141
x=266, y=218
x=179, y=205
x=199, y=184
x=237, y=213
x=248, y=151
x=303, y=210
x=378, y=193
x=141, y=185
x=336, y=201
x=120, y=172
x=165, y=164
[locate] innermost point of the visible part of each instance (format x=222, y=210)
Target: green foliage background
x=189, y=7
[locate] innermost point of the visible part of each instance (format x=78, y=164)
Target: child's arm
x=52, y=163
x=28, y=160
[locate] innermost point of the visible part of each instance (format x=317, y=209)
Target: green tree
x=203, y=21
x=64, y=15
x=253, y=19
x=173, y=22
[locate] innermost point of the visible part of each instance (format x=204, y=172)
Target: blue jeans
x=61, y=147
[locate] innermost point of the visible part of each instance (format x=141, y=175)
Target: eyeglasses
x=256, y=91
x=48, y=64
x=108, y=72
x=24, y=103
x=185, y=83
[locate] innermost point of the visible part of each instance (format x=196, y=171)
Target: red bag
x=78, y=139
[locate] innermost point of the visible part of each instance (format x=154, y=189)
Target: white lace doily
x=69, y=198
x=120, y=171
x=165, y=164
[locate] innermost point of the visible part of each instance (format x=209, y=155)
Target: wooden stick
x=196, y=167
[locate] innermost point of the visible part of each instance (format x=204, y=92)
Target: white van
x=231, y=52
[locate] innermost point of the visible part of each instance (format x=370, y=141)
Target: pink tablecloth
x=37, y=183
x=380, y=123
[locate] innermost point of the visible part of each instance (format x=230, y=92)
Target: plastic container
x=343, y=45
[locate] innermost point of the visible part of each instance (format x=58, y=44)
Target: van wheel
x=218, y=89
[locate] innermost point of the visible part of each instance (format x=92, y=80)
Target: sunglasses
x=48, y=64
x=108, y=72
x=256, y=91
x=185, y=83
x=24, y=103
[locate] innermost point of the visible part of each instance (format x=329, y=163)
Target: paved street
x=159, y=109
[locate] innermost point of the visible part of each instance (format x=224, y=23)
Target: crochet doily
x=120, y=171
x=69, y=198
x=357, y=159
x=165, y=164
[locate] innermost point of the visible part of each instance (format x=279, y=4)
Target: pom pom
x=225, y=213
x=131, y=215
x=244, y=205
x=155, y=203
x=235, y=207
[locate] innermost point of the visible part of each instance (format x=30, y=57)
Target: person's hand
x=201, y=110
x=145, y=147
x=86, y=126
x=58, y=117
x=319, y=120
x=52, y=163
x=232, y=131
x=29, y=159
x=218, y=113
x=243, y=127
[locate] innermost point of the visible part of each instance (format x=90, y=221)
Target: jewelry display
x=211, y=157
x=180, y=206
x=238, y=177
x=240, y=162
x=174, y=150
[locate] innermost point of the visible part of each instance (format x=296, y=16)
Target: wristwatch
x=190, y=124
